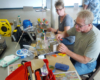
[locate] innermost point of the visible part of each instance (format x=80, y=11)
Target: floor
x=11, y=46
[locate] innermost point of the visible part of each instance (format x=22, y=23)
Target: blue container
x=62, y=67
x=26, y=23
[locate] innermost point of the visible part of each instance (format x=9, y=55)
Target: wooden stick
x=19, y=40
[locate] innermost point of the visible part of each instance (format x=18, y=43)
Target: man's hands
x=62, y=35
x=62, y=48
x=85, y=7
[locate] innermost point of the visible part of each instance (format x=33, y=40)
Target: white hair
x=87, y=15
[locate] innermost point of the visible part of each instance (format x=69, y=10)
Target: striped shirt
x=94, y=6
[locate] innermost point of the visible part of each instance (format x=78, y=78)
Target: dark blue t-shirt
x=67, y=21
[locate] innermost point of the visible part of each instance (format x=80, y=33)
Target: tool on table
x=48, y=74
x=30, y=73
x=5, y=27
x=52, y=68
x=62, y=54
x=54, y=55
x=19, y=40
x=59, y=41
x=28, y=29
x=38, y=76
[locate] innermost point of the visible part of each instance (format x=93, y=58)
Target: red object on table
x=21, y=73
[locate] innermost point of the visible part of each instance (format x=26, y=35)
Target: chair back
x=98, y=61
x=98, y=26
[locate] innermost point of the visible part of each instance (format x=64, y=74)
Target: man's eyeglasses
x=79, y=24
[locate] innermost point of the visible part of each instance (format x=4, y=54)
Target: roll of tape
x=52, y=68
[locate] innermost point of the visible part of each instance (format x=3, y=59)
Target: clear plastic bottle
x=19, y=20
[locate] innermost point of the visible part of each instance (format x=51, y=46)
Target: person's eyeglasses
x=59, y=9
x=79, y=24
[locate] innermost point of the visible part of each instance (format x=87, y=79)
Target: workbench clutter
x=43, y=23
x=27, y=51
x=23, y=37
x=25, y=72
x=23, y=53
x=53, y=46
x=42, y=42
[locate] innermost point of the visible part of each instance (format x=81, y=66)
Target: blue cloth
x=97, y=25
x=66, y=41
x=84, y=68
x=94, y=6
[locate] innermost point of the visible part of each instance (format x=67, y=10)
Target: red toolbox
x=21, y=73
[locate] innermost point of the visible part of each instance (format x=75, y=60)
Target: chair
x=90, y=76
x=98, y=26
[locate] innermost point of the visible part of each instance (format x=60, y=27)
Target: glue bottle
x=19, y=20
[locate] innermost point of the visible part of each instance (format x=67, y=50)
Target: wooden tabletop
x=38, y=63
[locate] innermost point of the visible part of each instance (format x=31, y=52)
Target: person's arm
x=85, y=7
x=51, y=29
x=62, y=35
x=65, y=29
x=82, y=59
x=79, y=58
x=70, y=32
x=86, y=3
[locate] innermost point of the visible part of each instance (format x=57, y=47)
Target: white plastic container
x=22, y=53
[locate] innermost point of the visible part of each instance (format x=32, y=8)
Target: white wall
x=71, y=2
x=33, y=15
x=21, y=3
x=33, y=3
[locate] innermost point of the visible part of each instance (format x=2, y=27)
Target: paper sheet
x=13, y=67
x=69, y=75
